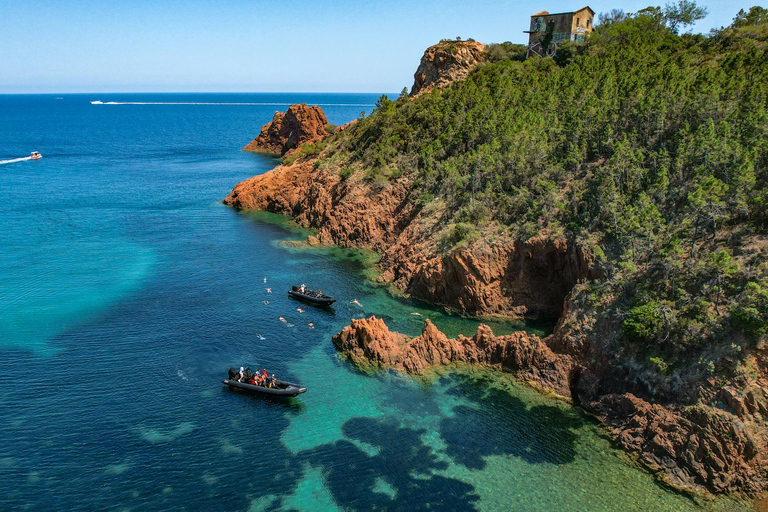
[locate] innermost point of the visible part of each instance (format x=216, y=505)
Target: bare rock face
x=445, y=63
x=289, y=130
x=693, y=447
x=525, y=355
x=510, y=278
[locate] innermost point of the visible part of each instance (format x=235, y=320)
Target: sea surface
x=127, y=290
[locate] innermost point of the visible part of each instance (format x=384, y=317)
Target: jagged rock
x=446, y=62
x=289, y=130
x=525, y=355
x=694, y=447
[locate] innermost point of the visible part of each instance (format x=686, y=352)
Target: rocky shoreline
x=696, y=434
x=694, y=445
x=692, y=448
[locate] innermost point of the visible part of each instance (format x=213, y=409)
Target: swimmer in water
x=416, y=314
x=283, y=320
x=269, y=290
x=357, y=302
x=299, y=310
x=265, y=302
x=311, y=325
x=265, y=279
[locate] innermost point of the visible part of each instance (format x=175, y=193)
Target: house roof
x=545, y=13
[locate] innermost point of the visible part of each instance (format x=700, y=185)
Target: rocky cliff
x=506, y=278
x=648, y=300
x=694, y=447
x=299, y=124
x=445, y=63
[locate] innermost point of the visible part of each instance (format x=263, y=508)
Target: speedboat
x=97, y=102
x=311, y=296
x=35, y=155
x=281, y=388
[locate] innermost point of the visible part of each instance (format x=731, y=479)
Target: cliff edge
x=445, y=63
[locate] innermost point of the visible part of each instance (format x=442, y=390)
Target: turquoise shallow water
x=127, y=290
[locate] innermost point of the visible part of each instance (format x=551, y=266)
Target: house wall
x=567, y=26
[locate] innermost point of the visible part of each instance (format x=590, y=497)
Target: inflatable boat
x=311, y=296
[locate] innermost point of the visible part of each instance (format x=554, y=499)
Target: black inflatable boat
x=312, y=296
x=282, y=388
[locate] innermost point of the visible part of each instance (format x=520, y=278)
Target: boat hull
x=322, y=301
x=285, y=389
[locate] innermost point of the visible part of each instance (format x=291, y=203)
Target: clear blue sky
x=256, y=45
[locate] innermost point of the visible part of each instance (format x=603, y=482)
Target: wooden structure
x=547, y=30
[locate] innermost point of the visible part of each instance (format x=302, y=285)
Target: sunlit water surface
x=127, y=290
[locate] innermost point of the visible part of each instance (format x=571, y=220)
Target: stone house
x=563, y=26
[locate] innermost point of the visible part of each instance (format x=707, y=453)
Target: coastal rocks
x=689, y=447
x=289, y=130
x=509, y=278
x=445, y=63
x=693, y=447
x=528, y=278
x=369, y=341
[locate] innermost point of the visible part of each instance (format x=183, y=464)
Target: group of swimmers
x=260, y=378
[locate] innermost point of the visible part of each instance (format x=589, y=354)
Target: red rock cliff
x=445, y=63
x=691, y=447
x=289, y=130
x=508, y=278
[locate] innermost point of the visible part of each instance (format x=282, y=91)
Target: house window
x=577, y=22
x=588, y=22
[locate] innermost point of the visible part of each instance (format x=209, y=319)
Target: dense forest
x=648, y=146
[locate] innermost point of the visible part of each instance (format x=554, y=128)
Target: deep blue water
x=127, y=290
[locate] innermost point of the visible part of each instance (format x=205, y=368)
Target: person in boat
x=319, y=293
x=303, y=288
x=241, y=374
x=265, y=377
x=273, y=381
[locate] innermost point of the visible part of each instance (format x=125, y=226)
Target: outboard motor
x=294, y=288
x=233, y=374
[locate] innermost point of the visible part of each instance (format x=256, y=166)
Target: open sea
x=127, y=290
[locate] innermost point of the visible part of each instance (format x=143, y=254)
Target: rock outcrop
x=509, y=278
x=446, y=62
x=299, y=124
x=693, y=447
x=369, y=341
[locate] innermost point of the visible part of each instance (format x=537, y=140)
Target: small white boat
x=97, y=102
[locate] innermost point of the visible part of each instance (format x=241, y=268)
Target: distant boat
x=97, y=102
x=311, y=296
x=35, y=155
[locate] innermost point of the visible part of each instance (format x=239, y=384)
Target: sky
x=59, y=46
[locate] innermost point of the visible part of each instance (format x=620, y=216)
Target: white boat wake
x=97, y=102
x=15, y=160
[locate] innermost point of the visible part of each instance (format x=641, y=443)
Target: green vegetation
x=649, y=146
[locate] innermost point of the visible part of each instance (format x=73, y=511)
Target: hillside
x=620, y=187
